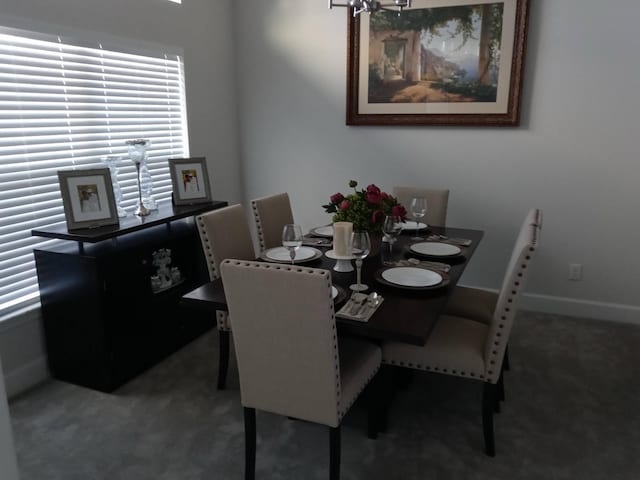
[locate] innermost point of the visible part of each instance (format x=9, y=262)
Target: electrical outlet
x=575, y=271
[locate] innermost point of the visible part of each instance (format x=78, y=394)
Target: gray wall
x=575, y=154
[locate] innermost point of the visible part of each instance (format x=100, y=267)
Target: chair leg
x=334, y=453
x=505, y=364
x=249, y=443
x=223, y=362
x=402, y=377
x=378, y=398
x=499, y=393
x=488, y=404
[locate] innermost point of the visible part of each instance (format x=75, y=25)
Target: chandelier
x=369, y=6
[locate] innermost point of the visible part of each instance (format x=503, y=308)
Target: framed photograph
x=87, y=196
x=440, y=62
x=190, y=180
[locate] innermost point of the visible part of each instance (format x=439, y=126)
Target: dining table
x=407, y=314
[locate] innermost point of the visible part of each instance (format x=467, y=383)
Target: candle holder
x=343, y=263
x=141, y=210
x=137, y=154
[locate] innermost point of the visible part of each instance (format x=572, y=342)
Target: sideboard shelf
x=103, y=323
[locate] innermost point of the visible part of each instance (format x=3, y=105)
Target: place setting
x=412, y=277
x=291, y=251
x=360, y=306
x=435, y=249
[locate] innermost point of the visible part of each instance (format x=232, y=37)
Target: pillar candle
x=342, y=232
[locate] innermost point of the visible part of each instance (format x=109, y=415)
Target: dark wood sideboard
x=103, y=322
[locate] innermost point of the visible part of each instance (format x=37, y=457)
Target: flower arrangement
x=365, y=208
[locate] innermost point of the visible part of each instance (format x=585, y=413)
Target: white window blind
x=65, y=105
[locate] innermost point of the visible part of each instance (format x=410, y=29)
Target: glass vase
x=111, y=162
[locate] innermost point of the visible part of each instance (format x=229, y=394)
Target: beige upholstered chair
x=224, y=233
x=271, y=214
x=437, y=202
x=290, y=359
x=468, y=348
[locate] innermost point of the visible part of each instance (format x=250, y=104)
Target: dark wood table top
x=405, y=315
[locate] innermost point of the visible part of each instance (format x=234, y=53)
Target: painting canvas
x=439, y=62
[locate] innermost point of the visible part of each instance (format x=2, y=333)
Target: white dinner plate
x=326, y=231
x=411, y=277
x=435, y=249
x=411, y=225
x=281, y=254
x=334, y=292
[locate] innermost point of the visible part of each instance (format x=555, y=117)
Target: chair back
x=225, y=233
x=437, y=202
x=271, y=214
x=510, y=293
x=285, y=339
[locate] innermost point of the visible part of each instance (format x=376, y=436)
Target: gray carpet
x=571, y=412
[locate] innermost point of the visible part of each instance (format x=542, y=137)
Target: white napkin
x=460, y=242
x=361, y=313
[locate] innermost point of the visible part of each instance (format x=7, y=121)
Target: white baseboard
x=26, y=376
x=573, y=307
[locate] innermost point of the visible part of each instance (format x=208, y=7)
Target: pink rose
x=377, y=216
x=336, y=198
x=344, y=205
x=399, y=211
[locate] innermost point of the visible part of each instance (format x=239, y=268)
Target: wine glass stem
x=358, y=272
x=292, y=254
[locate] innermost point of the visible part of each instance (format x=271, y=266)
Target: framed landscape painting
x=440, y=62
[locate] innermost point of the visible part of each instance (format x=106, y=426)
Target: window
x=67, y=105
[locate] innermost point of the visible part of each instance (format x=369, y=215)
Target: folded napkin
x=414, y=262
x=316, y=241
x=359, y=307
x=460, y=242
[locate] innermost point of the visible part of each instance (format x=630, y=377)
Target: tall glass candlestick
x=137, y=153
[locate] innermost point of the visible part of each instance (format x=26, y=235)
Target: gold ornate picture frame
x=441, y=62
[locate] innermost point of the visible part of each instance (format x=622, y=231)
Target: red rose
x=399, y=211
x=373, y=189
x=385, y=195
x=336, y=198
x=344, y=205
x=377, y=216
x=374, y=197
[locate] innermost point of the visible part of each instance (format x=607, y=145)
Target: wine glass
x=391, y=228
x=360, y=248
x=292, y=239
x=418, y=210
